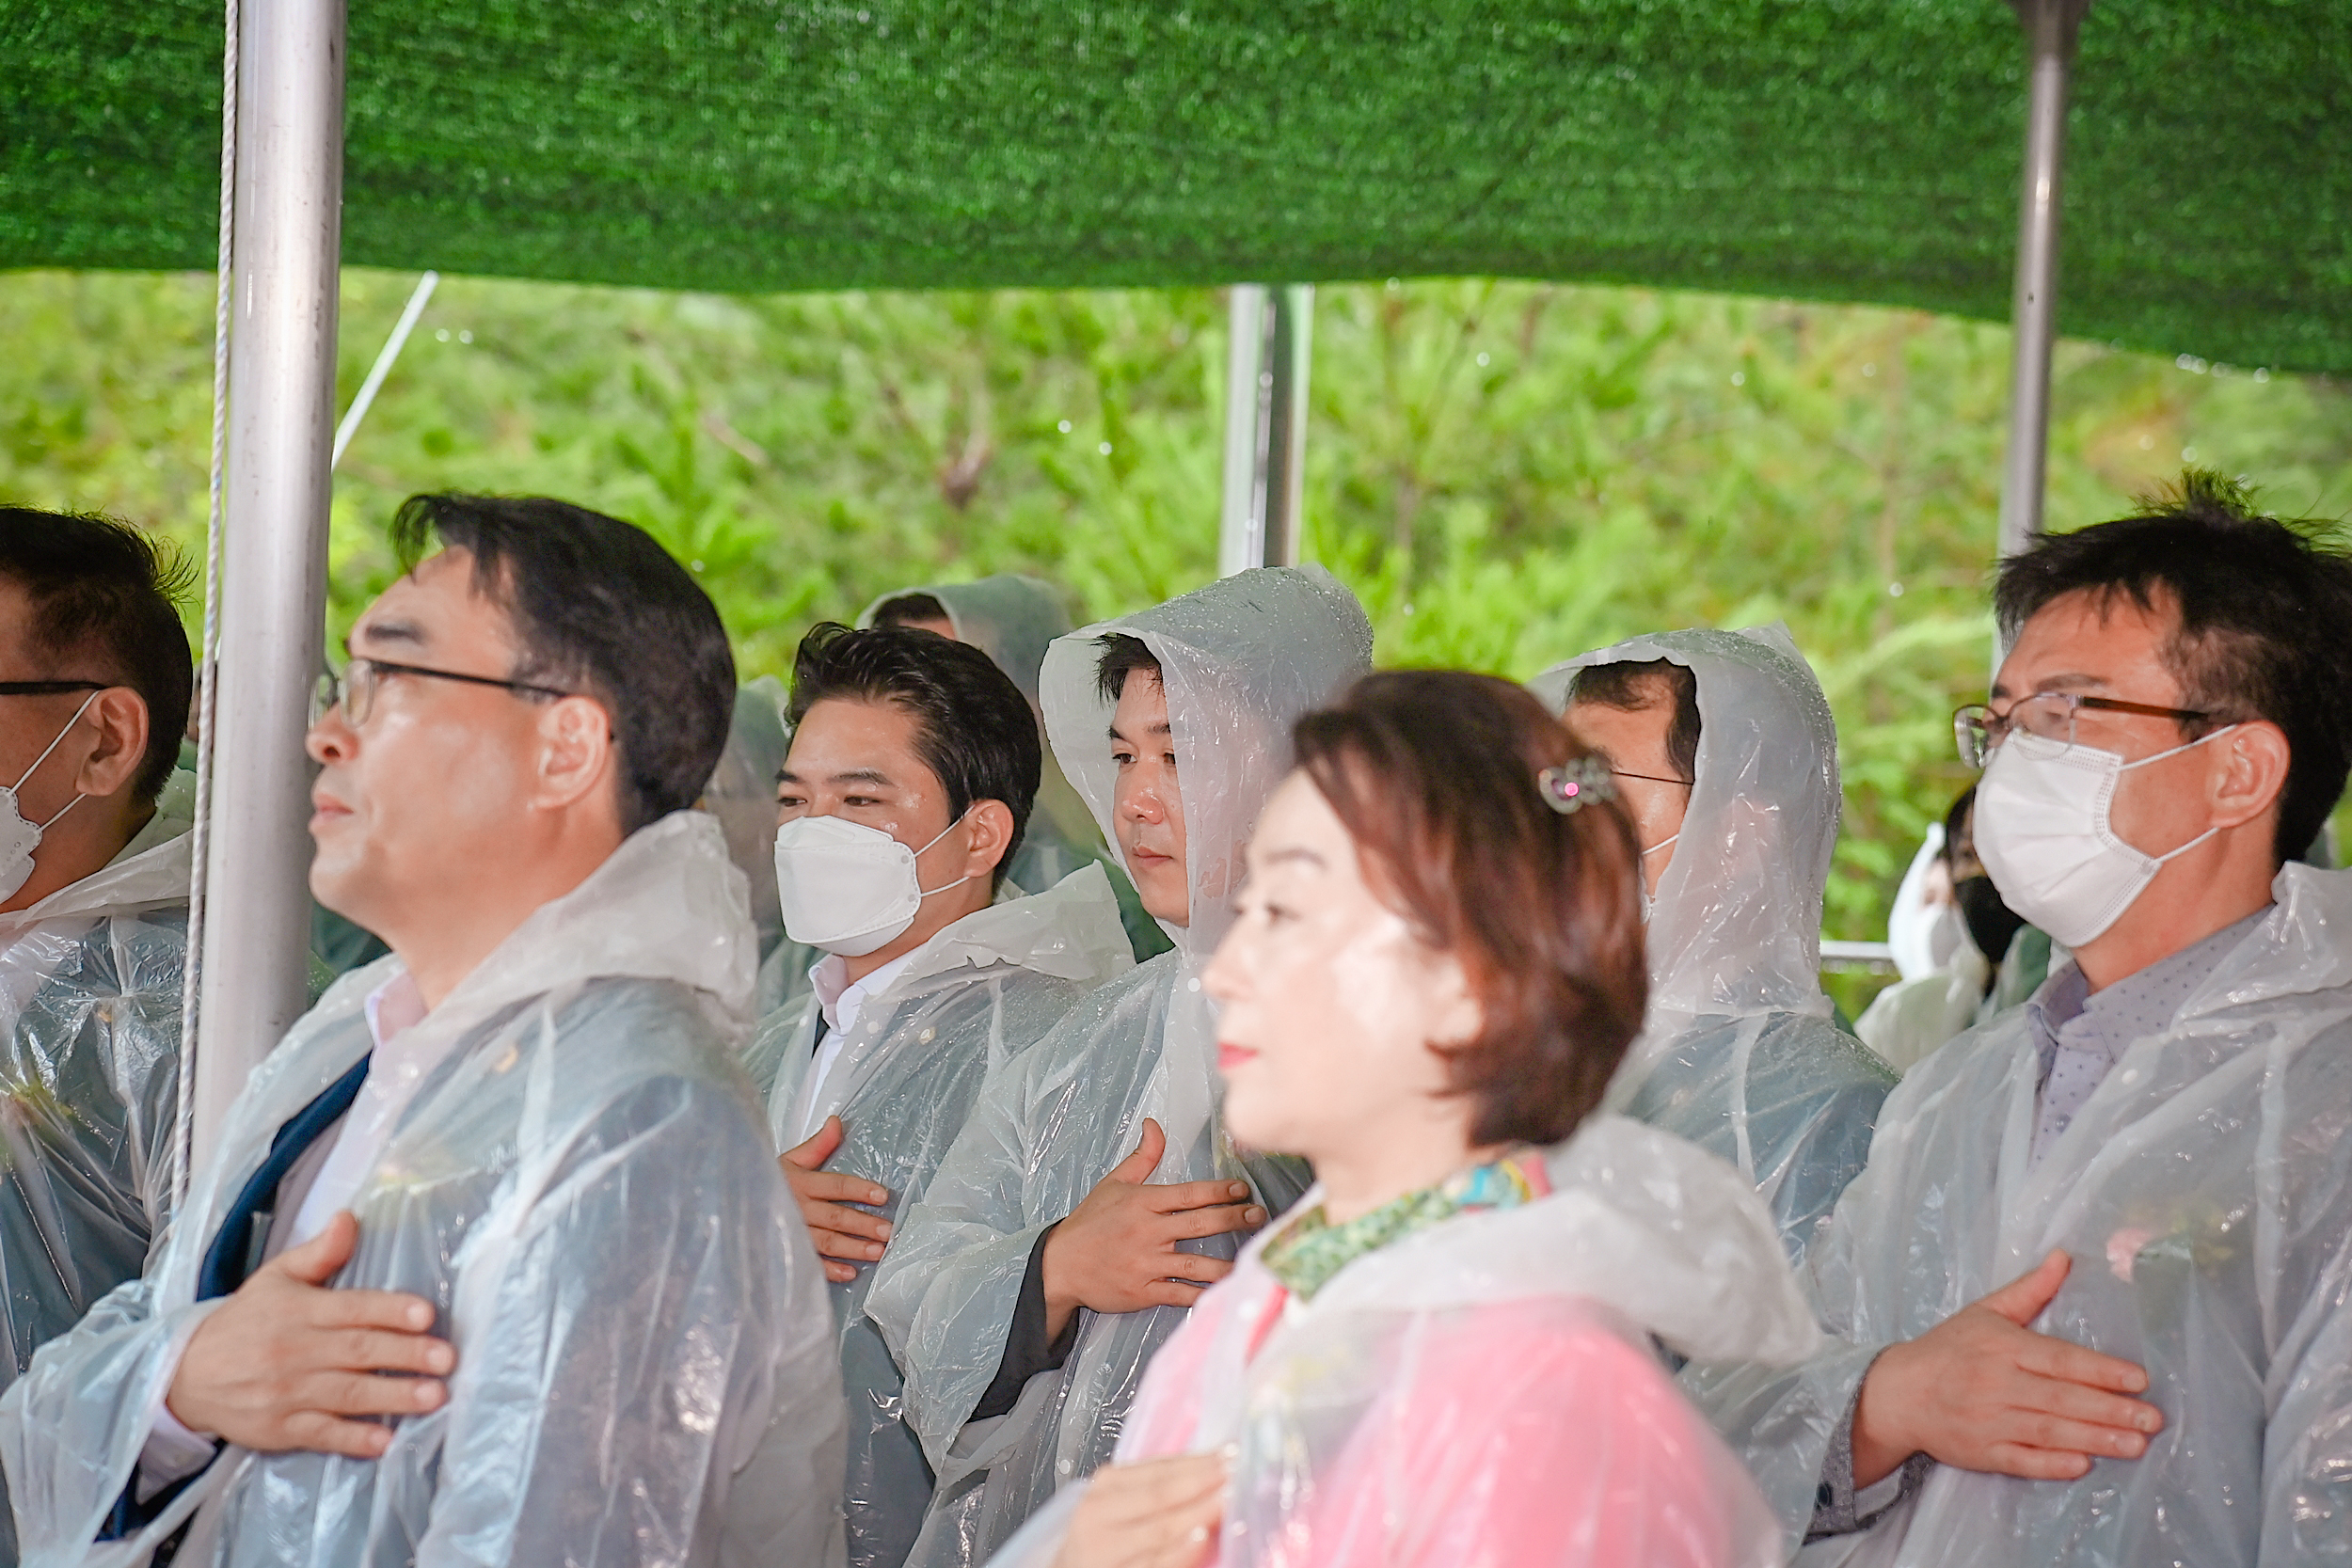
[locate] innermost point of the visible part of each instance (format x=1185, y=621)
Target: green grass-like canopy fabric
x=1844, y=150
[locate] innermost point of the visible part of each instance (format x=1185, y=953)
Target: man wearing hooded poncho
x=2087, y=1303
x=94, y=687
x=490, y=1261
x=906, y=794
x=1725, y=751
x=1094, y=1192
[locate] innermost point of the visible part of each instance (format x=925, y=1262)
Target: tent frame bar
x=285, y=260
x=2051, y=28
x=1269, y=340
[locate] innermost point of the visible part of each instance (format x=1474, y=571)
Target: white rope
x=209, y=653
x=383, y=366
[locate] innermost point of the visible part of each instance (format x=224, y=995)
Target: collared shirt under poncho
x=1241, y=659
x=2204, y=1192
x=1738, y=1054
x=980, y=992
x=585, y=1189
x=89, y=997
x=1485, y=1391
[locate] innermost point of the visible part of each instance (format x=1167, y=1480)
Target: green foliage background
x=1508, y=474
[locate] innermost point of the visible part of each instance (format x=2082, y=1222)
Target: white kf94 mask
x=2043, y=832
x=847, y=888
x=20, y=839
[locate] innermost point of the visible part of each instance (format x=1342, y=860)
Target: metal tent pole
x=281, y=420
x=2051, y=26
x=1270, y=341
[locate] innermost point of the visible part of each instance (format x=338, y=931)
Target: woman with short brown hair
x=1443, y=1354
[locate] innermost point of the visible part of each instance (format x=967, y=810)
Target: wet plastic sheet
x=1415, y=1413
x=1738, y=1054
x=741, y=793
x=978, y=993
x=2204, y=1193
x=583, y=1187
x=90, y=998
x=1241, y=659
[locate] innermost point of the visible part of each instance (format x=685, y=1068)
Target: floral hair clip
x=1568, y=789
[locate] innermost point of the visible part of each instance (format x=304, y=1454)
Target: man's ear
x=577, y=755
x=988, y=836
x=2250, y=774
x=119, y=714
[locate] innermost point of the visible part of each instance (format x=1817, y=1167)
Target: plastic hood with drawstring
x=973, y=996
x=1013, y=620
x=1738, y=1054
x=1485, y=1391
x=2205, y=1196
x=584, y=1190
x=1240, y=661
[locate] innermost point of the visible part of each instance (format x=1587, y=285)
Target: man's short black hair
x=1121, y=654
x=1632, y=686
x=974, y=729
x=2266, y=620
x=899, y=608
x=105, y=600
x=599, y=609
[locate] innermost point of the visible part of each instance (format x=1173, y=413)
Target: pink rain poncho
x=1485, y=1392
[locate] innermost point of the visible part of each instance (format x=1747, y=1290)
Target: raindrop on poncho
x=1738, y=1054
x=2204, y=1195
x=585, y=1191
x=1242, y=660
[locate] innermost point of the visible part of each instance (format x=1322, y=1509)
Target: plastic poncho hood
x=555, y=1185
x=741, y=793
x=1736, y=926
x=1240, y=661
x=1010, y=618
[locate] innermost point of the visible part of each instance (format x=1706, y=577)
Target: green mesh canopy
x=1843, y=150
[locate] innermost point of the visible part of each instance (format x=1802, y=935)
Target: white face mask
x=847, y=888
x=17, y=837
x=2044, y=835
x=1924, y=937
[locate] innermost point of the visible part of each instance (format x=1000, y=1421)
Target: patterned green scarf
x=1312, y=1249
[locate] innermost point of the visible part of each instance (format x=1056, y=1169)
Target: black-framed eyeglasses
x=47, y=688
x=354, y=691
x=1653, y=778
x=2049, y=715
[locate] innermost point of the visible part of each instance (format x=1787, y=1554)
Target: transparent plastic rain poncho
x=89, y=994
x=1942, y=978
x=1485, y=1391
x=1242, y=660
x=585, y=1189
x=741, y=793
x=1015, y=620
x=1738, y=1054
x=2204, y=1193
x=980, y=992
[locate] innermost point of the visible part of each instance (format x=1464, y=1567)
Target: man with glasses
x=491, y=1261
x=94, y=687
x=1727, y=759
x=2088, y=1300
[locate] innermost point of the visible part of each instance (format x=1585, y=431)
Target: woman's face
x=1329, y=1002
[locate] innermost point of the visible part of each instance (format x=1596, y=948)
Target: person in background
x=491, y=1261
x=95, y=678
x=1442, y=1354
x=1095, y=1191
x=2087, y=1304
x=741, y=793
x=1013, y=619
x=1725, y=751
x=1956, y=942
x=906, y=794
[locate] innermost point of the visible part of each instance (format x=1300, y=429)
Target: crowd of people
x=1162, y=1093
